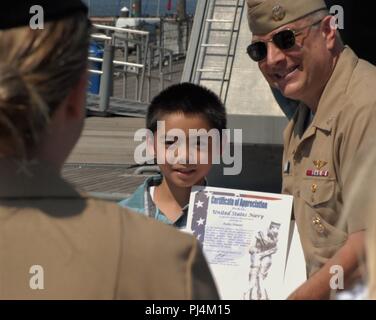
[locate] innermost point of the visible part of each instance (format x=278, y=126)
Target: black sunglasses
x=284, y=40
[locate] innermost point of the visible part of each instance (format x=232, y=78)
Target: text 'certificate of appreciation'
x=245, y=239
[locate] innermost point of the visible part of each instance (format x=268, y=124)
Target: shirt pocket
x=317, y=192
x=321, y=214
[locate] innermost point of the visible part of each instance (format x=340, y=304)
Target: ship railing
x=109, y=36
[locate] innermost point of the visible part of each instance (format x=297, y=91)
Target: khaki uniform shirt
x=58, y=244
x=316, y=160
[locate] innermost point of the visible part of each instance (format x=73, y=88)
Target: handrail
x=104, y=27
x=120, y=63
x=95, y=71
x=101, y=37
x=110, y=34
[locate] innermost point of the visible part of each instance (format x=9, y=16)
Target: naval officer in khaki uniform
x=300, y=53
x=56, y=243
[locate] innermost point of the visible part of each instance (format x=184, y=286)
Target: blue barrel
x=96, y=51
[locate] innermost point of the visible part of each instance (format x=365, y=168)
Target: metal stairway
x=213, y=44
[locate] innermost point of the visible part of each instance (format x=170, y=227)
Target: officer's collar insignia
x=319, y=164
x=278, y=13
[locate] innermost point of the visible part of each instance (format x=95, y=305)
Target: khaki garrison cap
x=266, y=15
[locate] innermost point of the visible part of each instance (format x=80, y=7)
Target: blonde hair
x=38, y=68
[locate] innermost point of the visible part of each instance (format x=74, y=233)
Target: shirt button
x=320, y=229
x=316, y=220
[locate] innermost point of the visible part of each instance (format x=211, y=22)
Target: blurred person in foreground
x=58, y=243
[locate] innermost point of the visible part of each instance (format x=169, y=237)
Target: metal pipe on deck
x=181, y=9
x=107, y=77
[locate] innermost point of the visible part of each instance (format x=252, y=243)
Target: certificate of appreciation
x=245, y=238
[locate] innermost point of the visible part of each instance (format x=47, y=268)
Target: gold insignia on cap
x=278, y=13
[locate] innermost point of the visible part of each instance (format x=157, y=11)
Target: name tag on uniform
x=317, y=173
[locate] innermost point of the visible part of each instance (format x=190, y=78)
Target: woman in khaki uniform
x=54, y=241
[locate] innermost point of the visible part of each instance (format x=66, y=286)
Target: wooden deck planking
x=100, y=162
x=107, y=141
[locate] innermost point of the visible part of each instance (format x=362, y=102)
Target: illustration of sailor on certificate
x=263, y=246
x=245, y=239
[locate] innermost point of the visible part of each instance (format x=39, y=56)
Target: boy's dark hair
x=187, y=98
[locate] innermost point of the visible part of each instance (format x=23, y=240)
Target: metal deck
x=122, y=107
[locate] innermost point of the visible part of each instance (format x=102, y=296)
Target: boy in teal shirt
x=183, y=121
